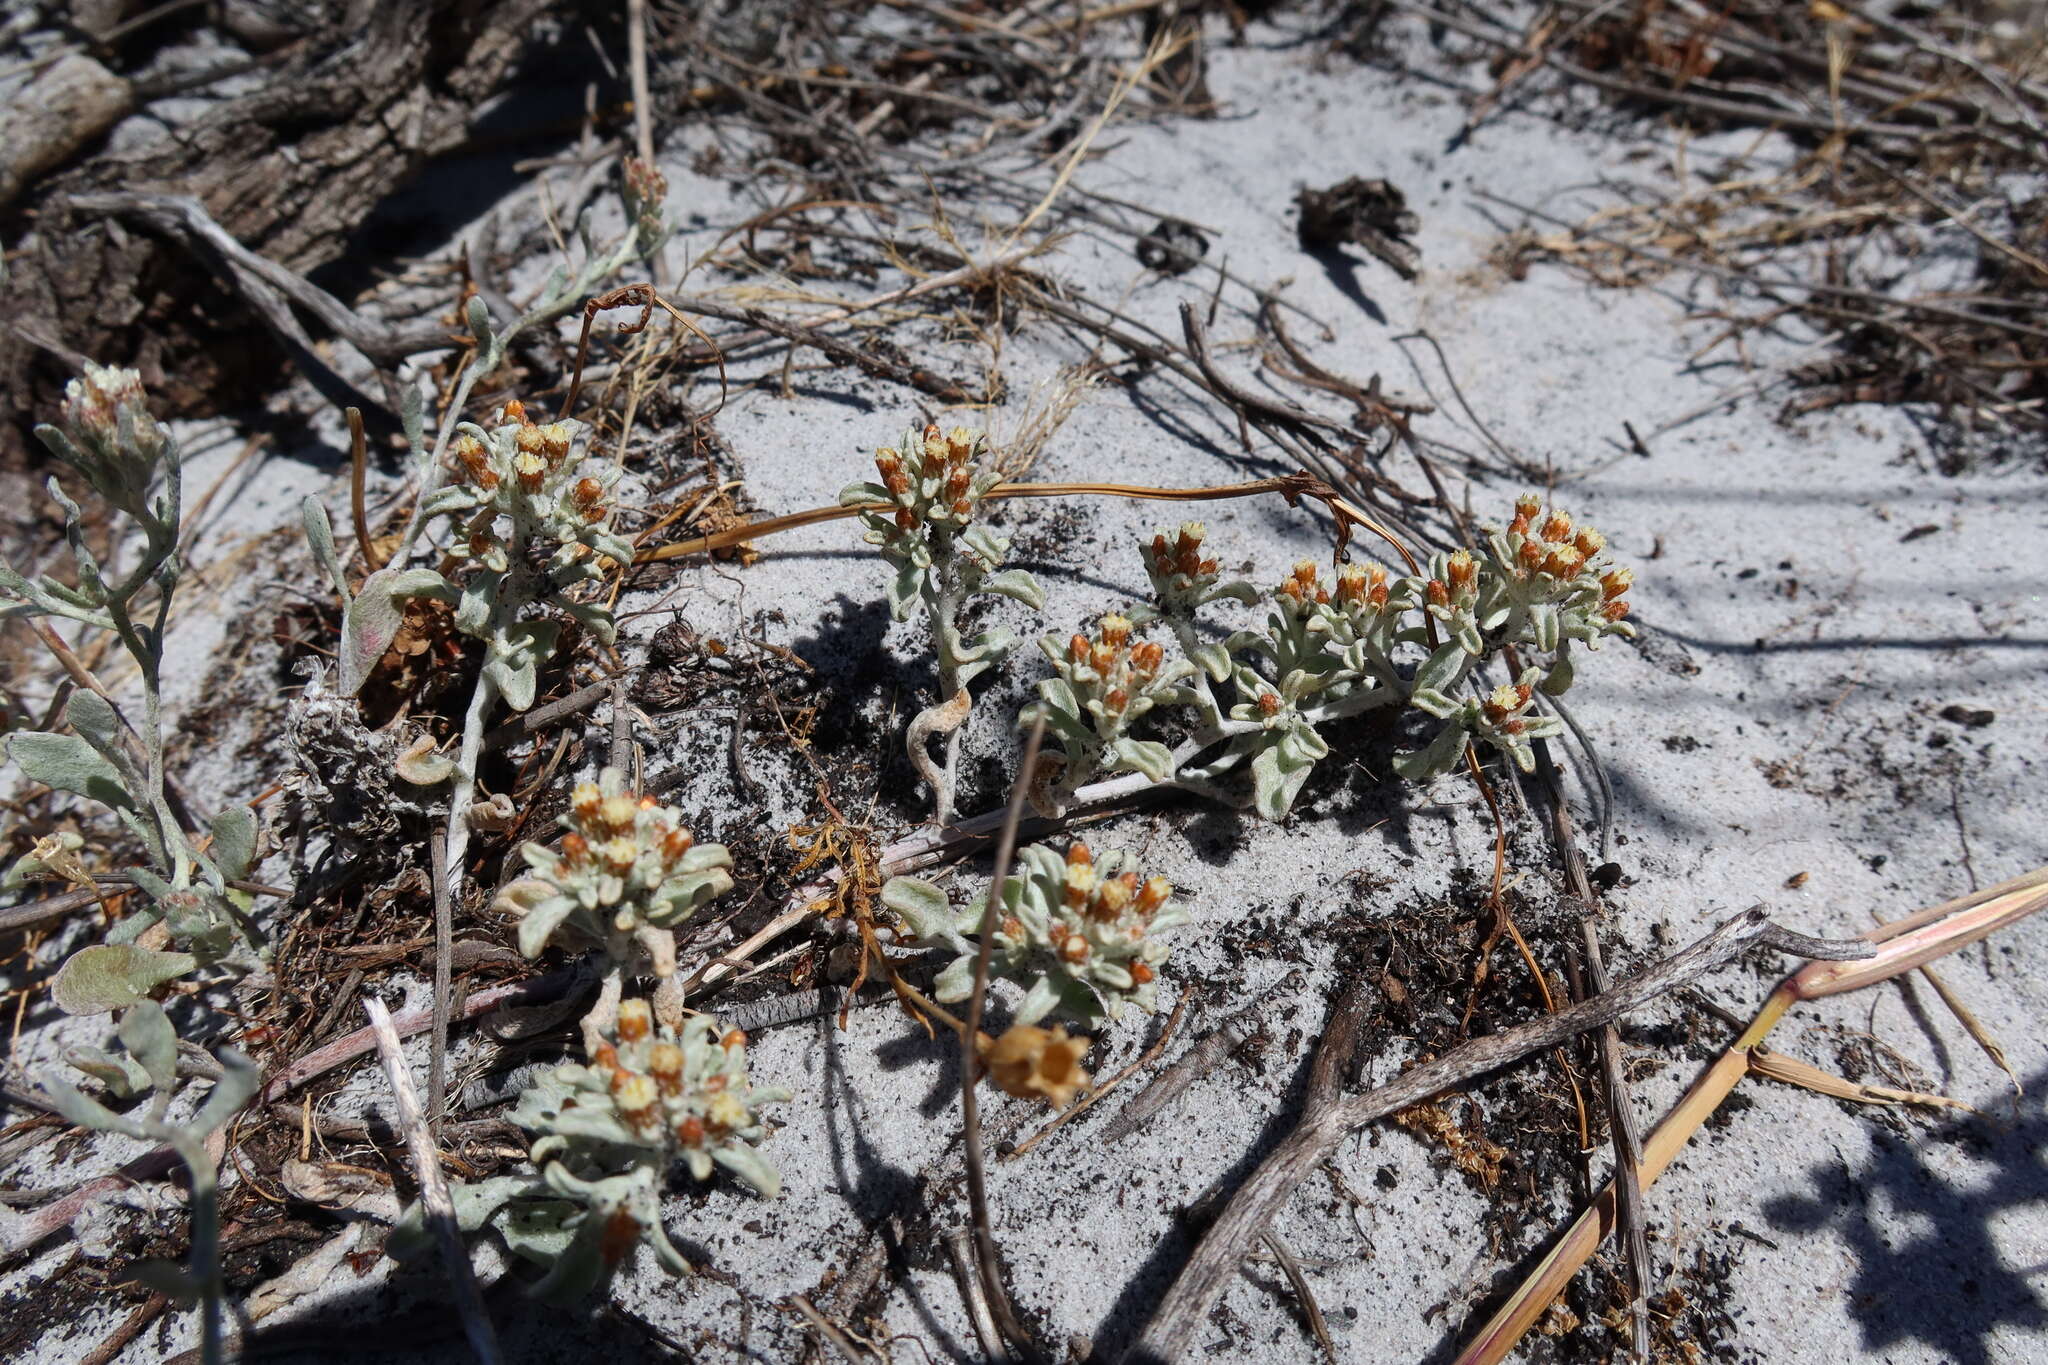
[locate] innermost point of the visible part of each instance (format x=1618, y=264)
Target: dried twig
x=1325, y=1124
x=426, y=1166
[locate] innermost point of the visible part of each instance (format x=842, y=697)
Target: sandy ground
x=1816, y=598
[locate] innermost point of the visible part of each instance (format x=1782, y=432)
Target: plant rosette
x=1082, y=933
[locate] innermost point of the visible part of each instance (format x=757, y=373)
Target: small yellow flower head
x=621, y=853
x=636, y=1021
x=531, y=469
x=618, y=811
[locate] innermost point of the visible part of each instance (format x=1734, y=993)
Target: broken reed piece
x=1904, y=945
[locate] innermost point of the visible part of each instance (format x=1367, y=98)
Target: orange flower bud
x=1563, y=562
x=1115, y=630
x=1590, y=542
x=1074, y=948
x=621, y=1234
x=1615, y=583
x=1269, y=704
x=575, y=848
x=1616, y=609
x=1077, y=853
x=736, y=1038
x=588, y=491
x=1439, y=595
x=531, y=469
x=515, y=411
x=1077, y=648
x=1140, y=973
x=1558, y=528
x=906, y=520
x=690, y=1132
x=1462, y=569
x=1116, y=699
x=1146, y=658
x=635, y=1021
x=1527, y=506
x=1153, y=894
x=586, y=800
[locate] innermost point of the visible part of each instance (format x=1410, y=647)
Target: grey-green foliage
x=930, y=493
x=626, y=874
x=1080, y=932
x=148, y=1066
x=1261, y=697
x=132, y=462
x=606, y=1135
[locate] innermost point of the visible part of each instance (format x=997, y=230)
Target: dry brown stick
x=434, y=1198
x=444, y=985
x=1622, y=1129
x=1767, y=284
x=1291, y=1268
x=358, y=460
x=1173, y=1082
x=540, y=990
x=825, y=1328
x=1194, y=1292
x=1292, y=485
x=970, y=1059
x=117, y=1341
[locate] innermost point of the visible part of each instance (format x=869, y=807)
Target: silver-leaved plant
x=1081, y=933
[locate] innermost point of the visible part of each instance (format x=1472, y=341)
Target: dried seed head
x=636, y=1021
x=1528, y=505
x=531, y=470
x=1115, y=630
x=529, y=441
x=575, y=847
x=1462, y=569
x=586, y=800
x=1031, y=1062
